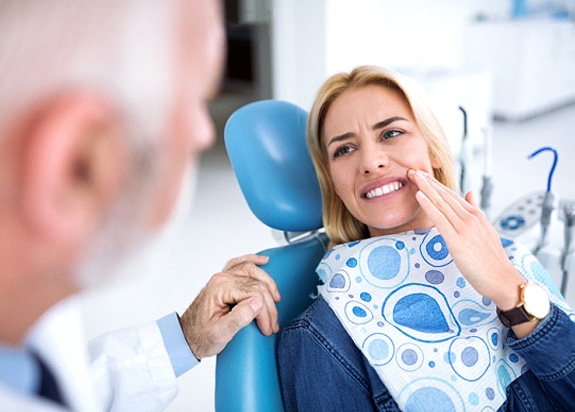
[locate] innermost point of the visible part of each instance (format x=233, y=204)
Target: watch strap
x=514, y=316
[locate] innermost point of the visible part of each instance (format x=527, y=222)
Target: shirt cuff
x=548, y=350
x=181, y=356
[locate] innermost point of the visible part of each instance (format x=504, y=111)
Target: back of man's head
x=121, y=48
x=102, y=110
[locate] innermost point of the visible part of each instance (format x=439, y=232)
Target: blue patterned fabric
x=431, y=338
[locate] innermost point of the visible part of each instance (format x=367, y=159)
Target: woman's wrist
x=506, y=294
x=523, y=308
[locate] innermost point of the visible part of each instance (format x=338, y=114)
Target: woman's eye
x=340, y=151
x=391, y=133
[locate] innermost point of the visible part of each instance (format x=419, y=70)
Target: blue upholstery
x=266, y=144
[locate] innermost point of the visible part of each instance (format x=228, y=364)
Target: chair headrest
x=266, y=144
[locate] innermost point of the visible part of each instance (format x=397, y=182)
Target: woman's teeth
x=384, y=190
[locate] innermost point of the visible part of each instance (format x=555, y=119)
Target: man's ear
x=73, y=164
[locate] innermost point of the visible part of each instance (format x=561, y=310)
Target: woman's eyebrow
x=378, y=125
x=386, y=122
x=339, y=138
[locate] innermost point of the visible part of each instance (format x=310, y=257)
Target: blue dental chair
x=266, y=145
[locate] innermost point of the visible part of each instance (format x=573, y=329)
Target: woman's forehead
x=370, y=104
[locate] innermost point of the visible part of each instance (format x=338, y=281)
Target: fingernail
x=421, y=174
x=277, y=296
x=256, y=304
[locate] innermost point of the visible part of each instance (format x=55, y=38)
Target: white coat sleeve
x=131, y=369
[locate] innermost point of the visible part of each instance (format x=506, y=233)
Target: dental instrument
x=548, y=200
x=568, y=255
x=487, y=183
x=464, y=156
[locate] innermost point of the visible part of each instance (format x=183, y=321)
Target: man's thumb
x=242, y=314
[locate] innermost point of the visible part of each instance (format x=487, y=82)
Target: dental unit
x=536, y=219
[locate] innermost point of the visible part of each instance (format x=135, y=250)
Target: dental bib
x=434, y=342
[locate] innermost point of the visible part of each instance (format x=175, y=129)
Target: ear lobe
x=435, y=163
x=72, y=165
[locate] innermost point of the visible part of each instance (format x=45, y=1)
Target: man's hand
x=231, y=300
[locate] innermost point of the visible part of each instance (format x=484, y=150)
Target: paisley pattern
x=434, y=341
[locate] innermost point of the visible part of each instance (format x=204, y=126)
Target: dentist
x=103, y=108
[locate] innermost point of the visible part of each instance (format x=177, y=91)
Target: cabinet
x=532, y=63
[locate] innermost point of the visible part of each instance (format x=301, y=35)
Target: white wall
x=299, y=55
x=314, y=39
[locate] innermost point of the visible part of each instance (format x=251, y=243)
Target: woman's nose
x=373, y=161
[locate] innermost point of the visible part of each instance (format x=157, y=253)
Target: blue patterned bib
x=436, y=344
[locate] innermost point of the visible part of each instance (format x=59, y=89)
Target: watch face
x=536, y=300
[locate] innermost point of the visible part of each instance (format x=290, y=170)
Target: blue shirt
x=181, y=356
x=19, y=370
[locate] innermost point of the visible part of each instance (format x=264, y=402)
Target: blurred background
x=499, y=73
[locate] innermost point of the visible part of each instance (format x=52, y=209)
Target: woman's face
x=372, y=141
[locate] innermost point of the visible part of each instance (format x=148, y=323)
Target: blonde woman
x=423, y=306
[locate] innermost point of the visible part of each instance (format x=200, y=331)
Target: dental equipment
x=464, y=156
x=548, y=200
x=567, y=257
x=534, y=220
x=487, y=184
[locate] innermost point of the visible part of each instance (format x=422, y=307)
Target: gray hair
x=121, y=48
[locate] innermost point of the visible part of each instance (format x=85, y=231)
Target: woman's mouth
x=384, y=190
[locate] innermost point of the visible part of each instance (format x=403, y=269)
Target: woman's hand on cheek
x=472, y=241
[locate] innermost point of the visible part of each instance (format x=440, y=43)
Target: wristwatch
x=534, y=304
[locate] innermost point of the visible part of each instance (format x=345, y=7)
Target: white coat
x=125, y=370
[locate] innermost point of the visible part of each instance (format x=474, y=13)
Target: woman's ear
x=73, y=164
x=435, y=163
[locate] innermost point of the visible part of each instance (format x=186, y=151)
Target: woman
x=418, y=286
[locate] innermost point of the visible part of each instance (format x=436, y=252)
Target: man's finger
x=247, y=265
x=237, y=289
x=242, y=315
x=257, y=260
x=261, y=276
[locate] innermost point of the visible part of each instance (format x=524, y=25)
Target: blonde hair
x=340, y=225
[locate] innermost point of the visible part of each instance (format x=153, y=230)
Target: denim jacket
x=321, y=369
